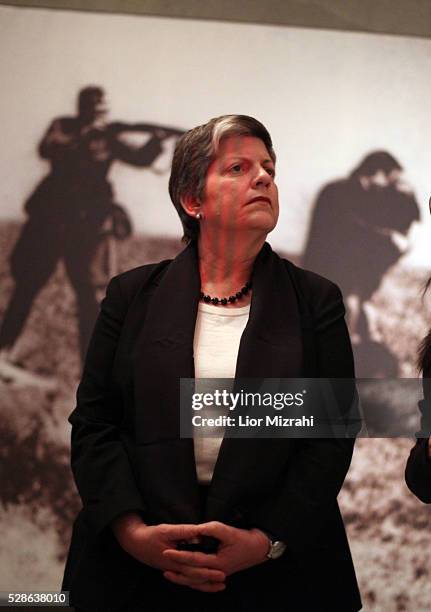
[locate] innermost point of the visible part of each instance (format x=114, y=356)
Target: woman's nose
x=261, y=178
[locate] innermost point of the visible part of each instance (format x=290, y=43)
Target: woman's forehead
x=243, y=146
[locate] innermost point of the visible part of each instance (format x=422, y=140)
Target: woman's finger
x=183, y=580
x=215, y=529
x=202, y=574
x=178, y=532
x=195, y=559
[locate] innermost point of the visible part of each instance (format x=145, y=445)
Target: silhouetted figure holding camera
x=358, y=231
x=69, y=211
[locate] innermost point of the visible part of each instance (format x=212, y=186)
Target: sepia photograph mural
x=93, y=105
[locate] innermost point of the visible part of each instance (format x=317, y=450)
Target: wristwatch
x=276, y=547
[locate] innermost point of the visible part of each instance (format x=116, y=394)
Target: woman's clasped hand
x=156, y=546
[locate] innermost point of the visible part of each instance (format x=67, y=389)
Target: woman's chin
x=261, y=221
x=257, y=222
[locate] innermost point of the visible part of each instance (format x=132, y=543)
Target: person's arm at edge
x=418, y=468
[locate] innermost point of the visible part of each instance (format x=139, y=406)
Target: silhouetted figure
x=358, y=231
x=68, y=210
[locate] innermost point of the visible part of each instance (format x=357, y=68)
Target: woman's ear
x=192, y=206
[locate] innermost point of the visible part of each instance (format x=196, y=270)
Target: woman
x=260, y=514
x=418, y=469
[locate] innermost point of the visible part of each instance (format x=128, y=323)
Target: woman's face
x=240, y=192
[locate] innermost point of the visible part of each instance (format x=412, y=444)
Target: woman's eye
x=271, y=172
x=236, y=168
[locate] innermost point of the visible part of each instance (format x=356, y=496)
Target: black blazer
x=418, y=468
x=127, y=454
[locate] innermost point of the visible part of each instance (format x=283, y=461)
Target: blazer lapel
x=164, y=350
x=270, y=347
x=163, y=355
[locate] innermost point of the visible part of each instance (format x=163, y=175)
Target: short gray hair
x=194, y=153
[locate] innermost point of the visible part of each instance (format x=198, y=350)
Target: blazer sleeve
x=418, y=468
x=100, y=464
x=306, y=501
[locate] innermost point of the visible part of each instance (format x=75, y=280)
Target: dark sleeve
x=306, y=501
x=418, y=468
x=137, y=156
x=100, y=464
x=405, y=210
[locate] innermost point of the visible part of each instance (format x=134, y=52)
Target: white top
x=218, y=333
